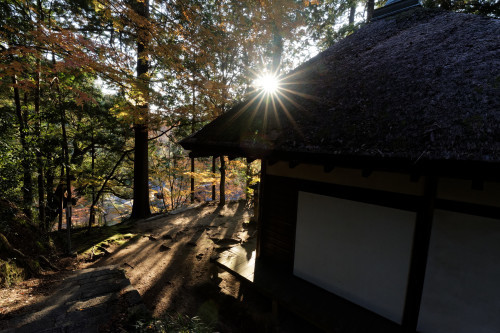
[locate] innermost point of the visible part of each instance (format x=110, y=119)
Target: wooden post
x=213, y=171
x=421, y=241
x=263, y=168
x=192, y=180
x=222, y=200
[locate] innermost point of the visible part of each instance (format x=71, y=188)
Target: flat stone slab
x=84, y=302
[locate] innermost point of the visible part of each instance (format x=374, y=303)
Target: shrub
x=10, y=273
x=177, y=323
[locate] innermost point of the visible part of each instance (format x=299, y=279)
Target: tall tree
x=38, y=121
x=27, y=188
x=370, y=7
x=141, y=207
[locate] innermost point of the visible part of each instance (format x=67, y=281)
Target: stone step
x=84, y=302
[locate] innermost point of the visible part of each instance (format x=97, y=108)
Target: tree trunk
x=68, y=175
x=50, y=208
x=370, y=7
x=61, y=200
x=65, y=149
x=277, y=49
x=39, y=161
x=141, y=207
x=27, y=188
x=222, y=200
x=172, y=182
x=192, y=131
x=92, y=206
x=38, y=125
x=352, y=13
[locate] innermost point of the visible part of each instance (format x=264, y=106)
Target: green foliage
x=203, y=56
x=479, y=7
x=9, y=154
x=175, y=323
x=328, y=20
x=10, y=273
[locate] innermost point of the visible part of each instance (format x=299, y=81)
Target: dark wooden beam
x=418, y=264
x=328, y=168
x=272, y=161
x=204, y=154
x=415, y=177
x=292, y=164
x=366, y=172
x=478, y=184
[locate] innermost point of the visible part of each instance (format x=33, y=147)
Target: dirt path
x=168, y=261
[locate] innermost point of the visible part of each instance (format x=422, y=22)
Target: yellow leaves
x=103, y=9
x=132, y=110
x=204, y=177
x=186, y=15
x=310, y=2
x=98, y=6
x=122, y=112
x=117, y=25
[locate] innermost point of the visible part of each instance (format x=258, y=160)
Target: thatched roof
x=423, y=85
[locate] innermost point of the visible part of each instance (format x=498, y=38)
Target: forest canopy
x=95, y=95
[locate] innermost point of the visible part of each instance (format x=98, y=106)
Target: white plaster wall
x=356, y=250
x=462, y=284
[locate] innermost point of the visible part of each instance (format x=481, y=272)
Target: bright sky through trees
x=268, y=82
x=73, y=64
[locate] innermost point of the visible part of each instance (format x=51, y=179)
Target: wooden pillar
x=222, y=200
x=192, y=180
x=263, y=170
x=213, y=172
x=421, y=241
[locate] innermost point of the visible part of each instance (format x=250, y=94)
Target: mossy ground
x=94, y=243
x=10, y=273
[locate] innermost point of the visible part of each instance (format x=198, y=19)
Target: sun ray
x=276, y=99
x=306, y=96
x=275, y=110
x=255, y=111
x=269, y=83
x=241, y=111
x=288, y=114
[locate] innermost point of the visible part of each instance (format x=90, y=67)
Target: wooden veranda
x=316, y=305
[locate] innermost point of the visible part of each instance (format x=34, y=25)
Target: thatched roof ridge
x=422, y=85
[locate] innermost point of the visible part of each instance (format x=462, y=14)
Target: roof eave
x=469, y=169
